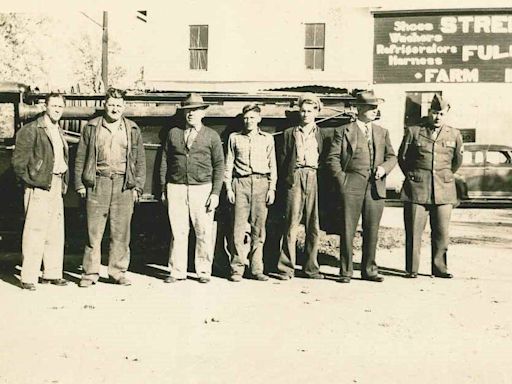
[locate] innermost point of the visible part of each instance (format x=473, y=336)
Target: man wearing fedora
x=429, y=156
x=250, y=179
x=191, y=175
x=110, y=171
x=360, y=158
x=298, y=162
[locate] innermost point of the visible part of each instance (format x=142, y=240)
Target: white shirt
x=59, y=163
x=366, y=128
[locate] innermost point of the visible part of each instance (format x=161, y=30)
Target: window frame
x=315, y=48
x=196, y=64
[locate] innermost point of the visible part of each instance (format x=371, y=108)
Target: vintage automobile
x=486, y=172
x=484, y=176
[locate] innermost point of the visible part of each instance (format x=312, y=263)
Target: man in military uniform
x=429, y=156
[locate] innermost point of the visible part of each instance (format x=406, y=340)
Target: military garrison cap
x=438, y=103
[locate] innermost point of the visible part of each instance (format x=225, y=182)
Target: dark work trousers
x=301, y=200
x=359, y=197
x=108, y=200
x=415, y=218
x=250, y=207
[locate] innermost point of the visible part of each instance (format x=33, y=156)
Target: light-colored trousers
x=185, y=204
x=43, y=232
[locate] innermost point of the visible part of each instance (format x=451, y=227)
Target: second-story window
x=315, y=46
x=199, y=47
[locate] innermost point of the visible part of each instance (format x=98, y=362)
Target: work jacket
x=33, y=156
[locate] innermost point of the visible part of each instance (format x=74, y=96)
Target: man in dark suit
x=429, y=156
x=360, y=158
x=298, y=163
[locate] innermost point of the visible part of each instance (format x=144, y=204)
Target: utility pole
x=104, y=51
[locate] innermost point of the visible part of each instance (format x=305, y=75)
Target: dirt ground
x=400, y=331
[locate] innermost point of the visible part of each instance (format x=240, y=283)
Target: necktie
x=368, y=135
x=190, y=137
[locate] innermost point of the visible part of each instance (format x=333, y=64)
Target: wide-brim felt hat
x=367, y=98
x=193, y=101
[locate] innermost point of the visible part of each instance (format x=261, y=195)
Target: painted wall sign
x=443, y=48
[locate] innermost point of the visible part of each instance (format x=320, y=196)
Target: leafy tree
x=32, y=43
x=22, y=58
x=87, y=63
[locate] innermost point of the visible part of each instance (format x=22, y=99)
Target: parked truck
x=156, y=113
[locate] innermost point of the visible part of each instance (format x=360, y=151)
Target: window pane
x=496, y=158
x=199, y=59
x=467, y=158
x=315, y=35
x=203, y=36
x=310, y=35
x=203, y=60
x=194, y=60
x=319, y=59
x=314, y=58
x=479, y=158
x=319, y=35
x=6, y=120
x=310, y=59
x=194, y=36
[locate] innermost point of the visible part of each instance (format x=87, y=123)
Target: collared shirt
x=59, y=164
x=190, y=135
x=434, y=132
x=306, y=146
x=366, y=128
x=251, y=153
x=112, y=143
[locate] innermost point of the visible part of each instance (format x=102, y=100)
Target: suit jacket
x=428, y=163
x=342, y=150
x=287, y=155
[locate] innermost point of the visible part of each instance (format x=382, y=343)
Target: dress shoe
x=123, y=280
x=411, y=275
x=376, y=278
x=317, y=276
x=343, y=279
x=172, y=279
x=28, y=286
x=282, y=276
x=260, y=277
x=235, y=278
x=443, y=275
x=86, y=283
x=204, y=279
x=58, y=282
